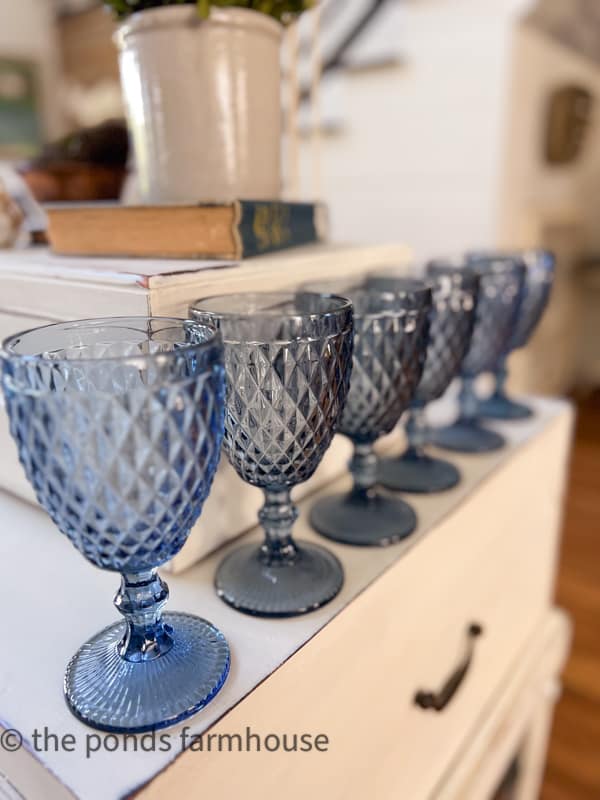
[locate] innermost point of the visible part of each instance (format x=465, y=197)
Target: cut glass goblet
x=539, y=277
x=501, y=281
x=390, y=341
x=118, y=424
x=288, y=358
x=452, y=318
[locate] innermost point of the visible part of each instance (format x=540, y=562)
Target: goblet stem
x=140, y=600
x=277, y=517
x=501, y=375
x=363, y=467
x=468, y=402
x=417, y=433
x=498, y=405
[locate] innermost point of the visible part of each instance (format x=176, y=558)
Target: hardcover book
x=239, y=230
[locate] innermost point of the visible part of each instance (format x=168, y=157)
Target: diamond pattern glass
x=390, y=340
x=118, y=424
x=288, y=359
x=500, y=296
x=539, y=277
x=452, y=319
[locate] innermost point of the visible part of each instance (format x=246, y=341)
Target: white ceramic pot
x=203, y=103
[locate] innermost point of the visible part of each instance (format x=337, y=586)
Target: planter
x=203, y=103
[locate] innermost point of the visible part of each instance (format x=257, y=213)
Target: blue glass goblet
x=118, y=424
x=500, y=295
x=288, y=359
x=452, y=318
x=390, y=341
x=539, y=276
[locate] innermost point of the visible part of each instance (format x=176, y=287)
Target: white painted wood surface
x=484, y=551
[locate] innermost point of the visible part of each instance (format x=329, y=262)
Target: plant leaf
x=282, y=10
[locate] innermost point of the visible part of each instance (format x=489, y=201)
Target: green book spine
x=266, y=226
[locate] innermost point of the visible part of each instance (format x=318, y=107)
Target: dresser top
x=56, y=601
x=34, y=263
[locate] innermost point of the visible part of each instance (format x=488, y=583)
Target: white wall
x=420, y=157
x=27, y=30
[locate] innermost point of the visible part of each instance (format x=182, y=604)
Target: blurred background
x=456, y=123
x=445, y=124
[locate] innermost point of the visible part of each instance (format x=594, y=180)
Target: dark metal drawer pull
x=437, y=701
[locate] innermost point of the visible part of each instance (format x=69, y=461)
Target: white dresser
x=356, y=672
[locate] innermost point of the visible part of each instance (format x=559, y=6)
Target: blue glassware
x=118, y=424
x=539, y=277
x=501, y=280
x=390, y=342
x=288, y=358
x=452, y=318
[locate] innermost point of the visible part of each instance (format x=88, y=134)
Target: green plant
x=282, y=10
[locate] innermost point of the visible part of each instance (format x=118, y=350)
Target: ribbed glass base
x=420, y=474
x=376, y=522
x=467, y=437
x=107, y=692
x=284, y=588
x=499, y=406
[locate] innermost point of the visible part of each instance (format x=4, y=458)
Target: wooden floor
x=573, y=771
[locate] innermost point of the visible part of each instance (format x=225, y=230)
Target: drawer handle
x=437, y=701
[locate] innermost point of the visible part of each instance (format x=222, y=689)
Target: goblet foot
x=107, y=692
x=286, y=588
x=419, y=474
x=499, y=406
x=467, y=437
x=351, y=519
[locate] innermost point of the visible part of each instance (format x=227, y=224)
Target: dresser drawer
x=489, y=563
x=517, y=725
